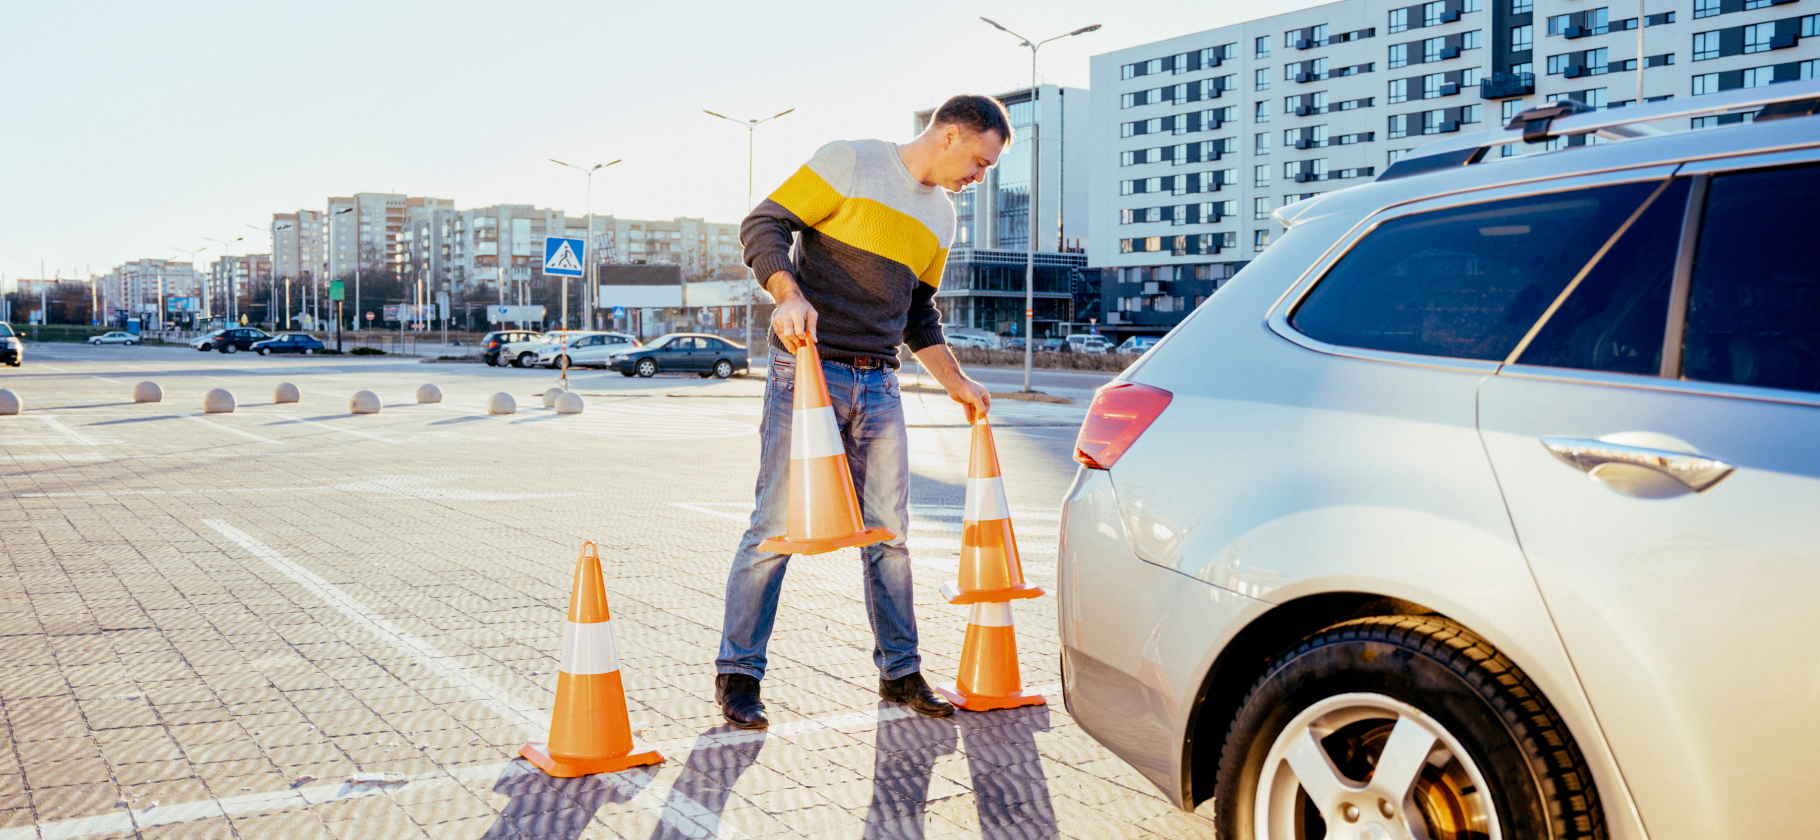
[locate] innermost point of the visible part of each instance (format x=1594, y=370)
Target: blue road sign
x=619, y=312
x=563, y=257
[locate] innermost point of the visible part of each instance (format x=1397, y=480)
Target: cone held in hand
x=591, y=730
x=990, y=568
x=823, y=510
x=988, y=677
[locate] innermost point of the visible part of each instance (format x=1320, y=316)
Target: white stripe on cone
x=814, y=434
x=589, y=649
x=986, y=500
x=990, y=615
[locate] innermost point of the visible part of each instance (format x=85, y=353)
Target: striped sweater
x=873, y=244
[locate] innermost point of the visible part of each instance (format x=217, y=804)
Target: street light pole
x=751, y=127
x=226, y=247
x=1036, y=177
x=588, y=274
x=191, y=254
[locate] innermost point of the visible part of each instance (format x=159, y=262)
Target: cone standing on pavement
x=991, y=578
x=824, y=513
x=591, y=730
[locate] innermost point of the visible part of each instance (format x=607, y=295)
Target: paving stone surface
x=209, y=625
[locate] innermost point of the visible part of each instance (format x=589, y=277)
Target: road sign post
x=337, y=294
x=565, y=257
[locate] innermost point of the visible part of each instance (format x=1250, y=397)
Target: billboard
x=514, y=314
x=639, y=286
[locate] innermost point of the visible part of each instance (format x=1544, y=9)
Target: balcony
x=1450, y=52
x=1506, y=85
x=1451, y=16
x=1448, y=89
x=1575, y=71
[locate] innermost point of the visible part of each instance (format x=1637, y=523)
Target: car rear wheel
x=230, y=348
x=647, y=368
x=1401, y=727
x=527, y=359
x=491, y=361
x=723, y=369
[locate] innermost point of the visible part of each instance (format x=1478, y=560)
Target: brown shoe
x=739, y=703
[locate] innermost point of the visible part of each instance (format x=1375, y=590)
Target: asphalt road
x=213, y=624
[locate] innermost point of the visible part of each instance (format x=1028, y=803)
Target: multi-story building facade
x=157, y=292
x=983, y=281
x=240, y=287
x=299, y=254
x=1197, y=139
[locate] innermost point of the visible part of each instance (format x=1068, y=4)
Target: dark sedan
x=704, y=355
x=236, y=339
x=287, y=343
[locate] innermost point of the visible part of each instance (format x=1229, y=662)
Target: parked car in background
x=1012, y=343
x=115, y=337
x=236, y=339
x=706, y=355
x=206, y=341
x=1137, y=344
x=1514, y=528
x=494, y=342
x=525, y=353
x=973, y=337
x=303, y=343
x=971, y=342
x=1092, y=345
x=584, y=349
x=12, y=348
x=1052, y=345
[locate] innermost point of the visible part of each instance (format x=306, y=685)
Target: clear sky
x=133, y=129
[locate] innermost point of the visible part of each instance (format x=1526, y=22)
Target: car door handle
x=1694, y=472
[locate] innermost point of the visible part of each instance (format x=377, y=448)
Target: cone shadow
x=546, y=807
x=1009, y=786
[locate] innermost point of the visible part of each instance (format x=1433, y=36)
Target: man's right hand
x=794, y=319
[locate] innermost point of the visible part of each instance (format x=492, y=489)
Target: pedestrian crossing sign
x=562, y=257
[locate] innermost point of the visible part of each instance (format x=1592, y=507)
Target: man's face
x=965, y=157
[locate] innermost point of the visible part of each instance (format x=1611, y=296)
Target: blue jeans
x=870, y=412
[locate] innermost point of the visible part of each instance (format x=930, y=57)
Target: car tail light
x=1120, y=412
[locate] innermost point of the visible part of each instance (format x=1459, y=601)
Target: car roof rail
x=1567, y=118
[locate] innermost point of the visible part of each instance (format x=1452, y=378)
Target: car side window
x=1464, y=282
x=1614, y=319
x=1753, y=313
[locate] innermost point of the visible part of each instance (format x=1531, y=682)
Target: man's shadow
x=715, y=763
x=903, y=762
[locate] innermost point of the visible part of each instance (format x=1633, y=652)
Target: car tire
x=1417, y=680
x=490, y=361
x=527, y=360
x=627, y=373
x=264, y=351
x=723, y=369
x=647, y=368
x=561, y=362
x=230, y=348
x=131, y=343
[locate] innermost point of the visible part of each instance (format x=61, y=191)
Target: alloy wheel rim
x=1368, y=765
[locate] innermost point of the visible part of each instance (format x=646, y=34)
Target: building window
x=1522, y=37
x=1759, y=77
x=1810, y=26
x=1521, y=7
x=1431, y=85
x=1471, y=40
x=1262, y=46
x=1706, y=45
x=1399, y=20
x=1431, y=49
x=1395, y=155
x=1662, y=60
x=1260, y=175
x=1261, y=143
x=1431, y=13
x=1758, y=4
x=1705, y=8
x=1525, y=67
x=1261, y=79
x=1399, y=126
x=1757, y=37
x=1558, y=23
x=1260, y=207
x=1260, y=112
x=1512, y=107
x=1260, y=239
x=1399, y=91
x=1399, y=55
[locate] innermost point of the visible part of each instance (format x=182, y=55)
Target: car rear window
x=6, y=331
x=1753, y=317
x=1464, y=282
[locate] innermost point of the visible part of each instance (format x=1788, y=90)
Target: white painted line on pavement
x=52, y=367
x=672, y=806
x=354, y=432
x=72, y=434
x=736, y=517
x=229, y=429
x=105, y=379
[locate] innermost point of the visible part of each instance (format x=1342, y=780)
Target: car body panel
x=680, y=353
x=1671, y=605
x=288, y=343
x=114, y=338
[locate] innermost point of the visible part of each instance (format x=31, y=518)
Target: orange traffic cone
x=990, y=569
x=591, y=731
x=989, y=675
x=824, y=513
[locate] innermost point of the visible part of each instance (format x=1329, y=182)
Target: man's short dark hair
x=975, y=114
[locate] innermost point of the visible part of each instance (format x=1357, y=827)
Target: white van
x=1092, y=345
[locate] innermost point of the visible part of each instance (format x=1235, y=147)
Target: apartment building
x=240, y=287
x=1197, y=139
x=156, y=291
x=370, y=228
x=983, y=281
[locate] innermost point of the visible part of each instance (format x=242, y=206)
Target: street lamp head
x=1084, y=30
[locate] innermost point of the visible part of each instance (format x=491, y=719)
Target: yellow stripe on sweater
x=933, y=274
x=808, y=196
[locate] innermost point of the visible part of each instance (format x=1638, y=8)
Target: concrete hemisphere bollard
x=147, y=391
x=286, y=393
x=549, y=397
x=569, y=403
x=429, y=393
x=218, y=401
x=502, y=403
x=364, y=402
x=10, y=403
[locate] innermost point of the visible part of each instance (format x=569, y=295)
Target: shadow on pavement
x=545, y=807
x=1009, y=787
x=708, y=777
x=907, y=749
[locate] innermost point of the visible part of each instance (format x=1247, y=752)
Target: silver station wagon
x=1486, y=502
